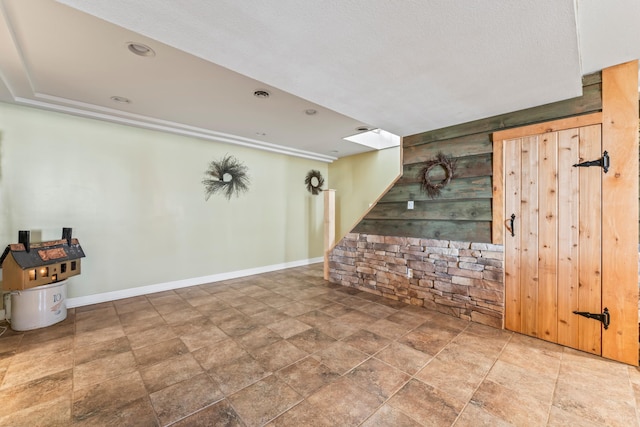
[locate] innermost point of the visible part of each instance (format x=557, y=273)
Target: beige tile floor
x=288, y=349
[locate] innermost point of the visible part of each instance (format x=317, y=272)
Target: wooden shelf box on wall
x=26, y=265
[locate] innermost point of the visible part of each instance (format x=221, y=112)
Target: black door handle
x=510, y=224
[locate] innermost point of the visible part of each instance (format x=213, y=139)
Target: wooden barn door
x=553, y=259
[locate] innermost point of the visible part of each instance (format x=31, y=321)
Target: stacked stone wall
x=463, y=279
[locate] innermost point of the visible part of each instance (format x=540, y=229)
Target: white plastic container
x=39, y=307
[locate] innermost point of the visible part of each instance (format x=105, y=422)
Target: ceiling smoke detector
x=261, y=94
x=140, y=49
x=311, y=112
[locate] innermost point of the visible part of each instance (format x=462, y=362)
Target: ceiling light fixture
x=364, y=128
x=310, y=112
x=140, y=49
x=121, y=99
x=261, y=94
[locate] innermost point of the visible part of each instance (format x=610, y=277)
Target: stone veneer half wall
x=462, y=279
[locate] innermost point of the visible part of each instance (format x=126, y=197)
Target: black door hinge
x=603, y=162
x=605, y=318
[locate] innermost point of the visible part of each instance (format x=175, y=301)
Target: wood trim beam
x=620, y=212
x=329, y=227
x=554, y=126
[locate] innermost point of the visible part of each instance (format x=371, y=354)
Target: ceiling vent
x=121, y=99
x=140, y=49
x=261, y=94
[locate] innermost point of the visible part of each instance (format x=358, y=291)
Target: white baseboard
x=177, y=284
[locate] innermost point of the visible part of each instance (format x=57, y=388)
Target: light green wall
x=135, y=201
x=359, y=180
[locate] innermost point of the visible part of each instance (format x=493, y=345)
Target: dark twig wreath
x=447, y=164
x=227, y=176
x=314, y=189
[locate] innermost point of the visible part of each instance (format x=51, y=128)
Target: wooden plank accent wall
x=463, y=210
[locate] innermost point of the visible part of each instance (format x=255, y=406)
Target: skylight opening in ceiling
x=376, y=138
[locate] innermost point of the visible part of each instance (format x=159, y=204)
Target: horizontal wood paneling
x=466, y=167
x=465, y=231
x=463, y=209
x=462, y=188
x=466, y=145
x=591, y=79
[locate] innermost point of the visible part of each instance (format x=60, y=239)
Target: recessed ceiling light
x=140, y=49
x=310, y=112
x=334, y=151
x=121, y=99
x=261, y=134
x=261, y=94
x=364, y=128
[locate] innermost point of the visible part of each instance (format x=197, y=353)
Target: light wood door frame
x=619, y=120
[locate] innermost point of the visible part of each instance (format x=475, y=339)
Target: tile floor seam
x=436, y=355
x=4, y=379
x=391, y=395
x=238, y=413
x=73, y=378
x=555, y=389
x=484, y=378
x=381, y=349
x=371, y=356
x=155, y=414
x=283, y=412
x=411, y=376
x=637, y=408
x=190, y=414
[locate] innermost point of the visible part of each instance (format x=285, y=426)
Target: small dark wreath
x=227, y=176
x=314, y=189
x=446, y=163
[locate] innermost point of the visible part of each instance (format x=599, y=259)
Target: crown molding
x=81, y=109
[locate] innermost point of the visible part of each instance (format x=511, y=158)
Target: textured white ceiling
x=609, y=33
x=406, y=66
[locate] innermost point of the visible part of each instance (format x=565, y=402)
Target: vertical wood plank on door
x=497, y=199
x=590, y=241
x=568, y=202
x=548, y=237
x=512, y=150
x=529, y=236
x=620, y=211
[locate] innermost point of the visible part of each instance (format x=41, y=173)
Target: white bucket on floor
x=39, y=307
